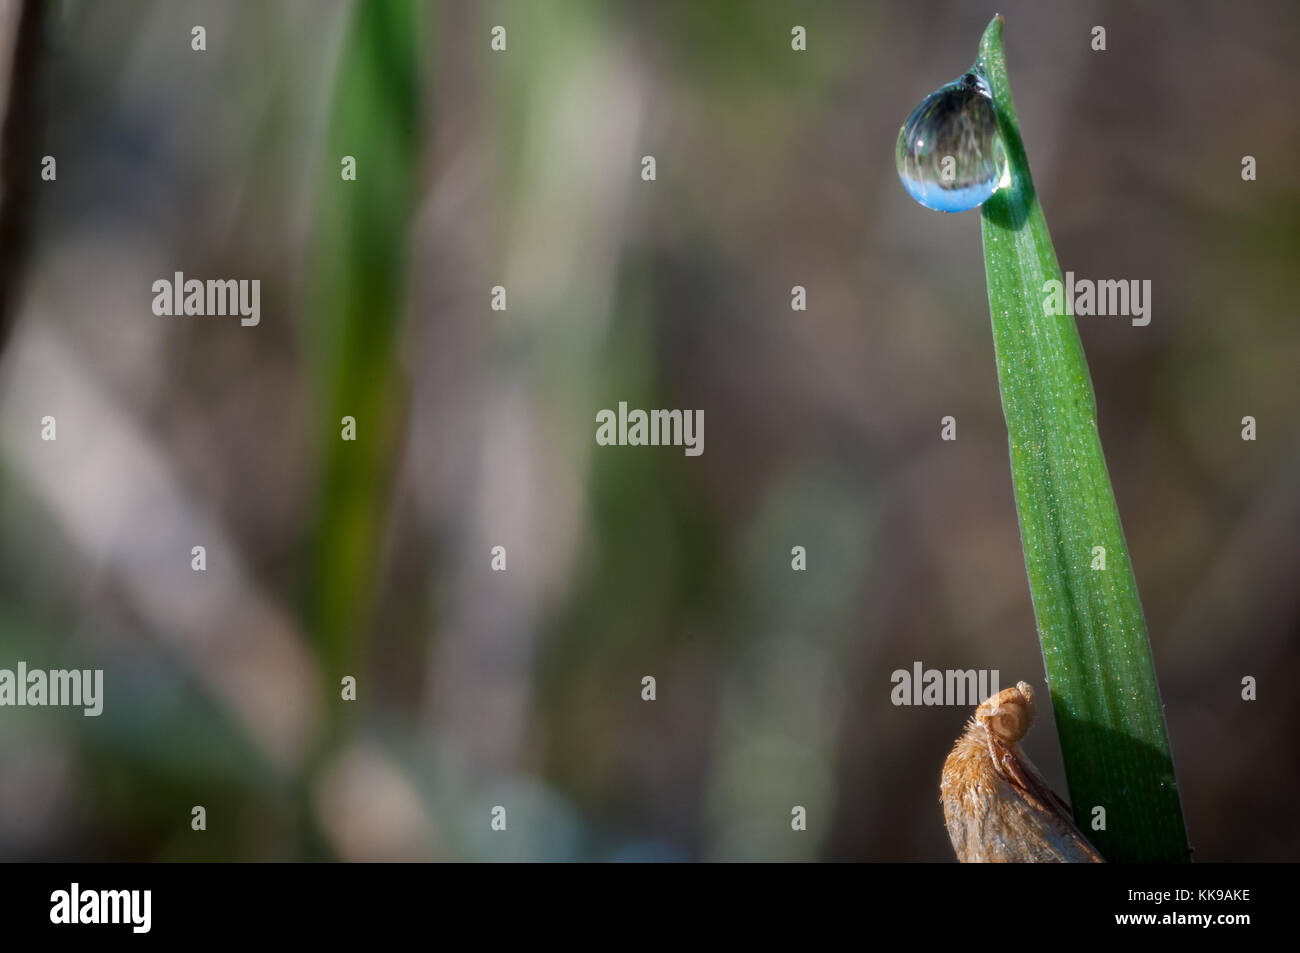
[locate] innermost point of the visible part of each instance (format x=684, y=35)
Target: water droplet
x=950, y=153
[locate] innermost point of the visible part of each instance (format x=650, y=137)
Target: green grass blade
x=355, y=316
x=1090, y=622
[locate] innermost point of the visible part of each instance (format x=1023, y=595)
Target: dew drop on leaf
x=950, y=153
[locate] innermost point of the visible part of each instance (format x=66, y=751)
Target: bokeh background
x=476, y=427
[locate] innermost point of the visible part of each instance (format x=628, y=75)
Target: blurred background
x=475, y=427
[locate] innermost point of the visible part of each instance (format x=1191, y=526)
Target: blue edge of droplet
x=949, y=200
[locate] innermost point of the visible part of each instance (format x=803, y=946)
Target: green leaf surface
x=1090, y=621
x=358, y=293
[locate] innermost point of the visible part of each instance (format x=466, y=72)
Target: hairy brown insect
x=997, y=806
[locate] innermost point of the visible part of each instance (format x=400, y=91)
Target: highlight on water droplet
x=950, y=153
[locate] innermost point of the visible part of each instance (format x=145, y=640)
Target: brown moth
x=997, y=806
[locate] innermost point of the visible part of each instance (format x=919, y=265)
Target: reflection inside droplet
x=950, y=153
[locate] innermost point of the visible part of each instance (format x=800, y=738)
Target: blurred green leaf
x=355, y=317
